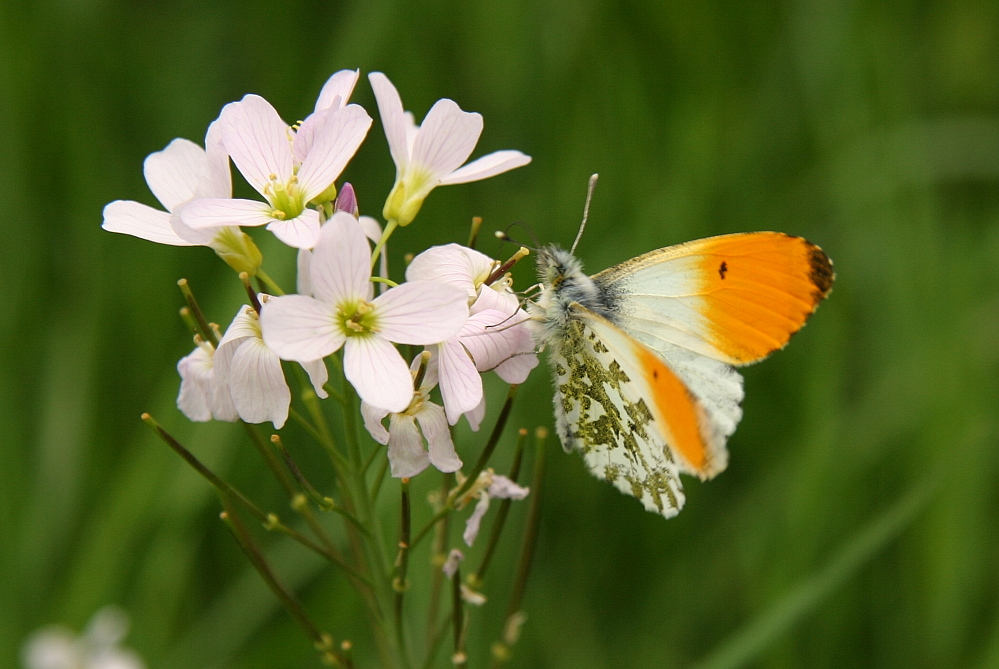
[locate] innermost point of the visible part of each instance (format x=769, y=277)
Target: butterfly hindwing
x=601, y=410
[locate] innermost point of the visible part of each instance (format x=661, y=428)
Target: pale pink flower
x=201, y=396
x=290, y=168
x=421, y=421
x=344, y=312
x=432, y=154
x=489, y=486
x=252, y=372
x=182, y=172
x=98, y=647
x=494, y=337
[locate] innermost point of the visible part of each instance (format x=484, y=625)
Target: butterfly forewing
x=735, y=298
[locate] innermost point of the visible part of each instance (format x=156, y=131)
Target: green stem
x=323, y=642
x=207, y=333
x=487, y=452
x=438, y=556
x=386, y=233
x=269, y=282
x=458, y=616
x=399, y=583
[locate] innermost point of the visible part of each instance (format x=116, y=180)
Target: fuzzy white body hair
x=563, y=283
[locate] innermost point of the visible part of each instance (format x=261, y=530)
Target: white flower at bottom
x=97, y=648
x=252, y=372
x=201, y=396
x=406, y=454
x=489, y=486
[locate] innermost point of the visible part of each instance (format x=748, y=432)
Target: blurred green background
x=856, y=524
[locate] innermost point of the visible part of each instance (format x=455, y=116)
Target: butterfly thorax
x=563, y=284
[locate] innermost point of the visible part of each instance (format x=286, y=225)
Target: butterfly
x=644, y=354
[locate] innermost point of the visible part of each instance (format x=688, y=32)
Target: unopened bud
x=347, y=201
x=237, y=249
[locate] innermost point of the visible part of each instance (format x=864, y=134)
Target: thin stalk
x=473, y=233
x=487, y=452
x=459, y=659
x=399, y=583
x=250, y=293
x=322, y=641
x=389, y=229
x=207, y=333
x=438, y=556
x=475, y=580
x=275, y=465
x=379, y=478
x=269, y=282
x=514, y=616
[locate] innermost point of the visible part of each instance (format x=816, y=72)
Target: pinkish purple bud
x=347, y=201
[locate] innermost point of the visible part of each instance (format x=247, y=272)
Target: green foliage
x=855, y=525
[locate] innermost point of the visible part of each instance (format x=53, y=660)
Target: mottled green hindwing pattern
x=600, y=411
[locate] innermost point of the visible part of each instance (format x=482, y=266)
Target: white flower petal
x=377, y=371
x=258, y=141
x=487, y=166
x=218, y=212
x=340, y=85
x=318, y=375
x=503, y=488
x=491, y=337
x=500, y=300
x=522, y=360
x=341, y=261
x=474, y=520
x=373, y=417
x=51, y=648
x=305, y=135
x=218, y=179
x=461, y=385
x=393, y=118
x=194, y=399
x=446, y=139
x=136, y=219
x=453, y=560
x=334, y=145
x=304, y=272
x=421, y=312
x=444, y=264
x=441, y=449
x=475, y=416
x=301, y=232
x=405, y=447
x=371, y=229
x=300, y=328
x=174, y=173
x=202, y=236
x=257, y=384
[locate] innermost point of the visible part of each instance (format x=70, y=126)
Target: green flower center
x=357, y=319
x=286, y=198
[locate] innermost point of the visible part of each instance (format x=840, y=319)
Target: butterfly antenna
x=586, y=210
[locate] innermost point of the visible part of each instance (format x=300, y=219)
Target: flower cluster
x=456, y=303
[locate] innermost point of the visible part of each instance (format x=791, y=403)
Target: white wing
x=601, y=409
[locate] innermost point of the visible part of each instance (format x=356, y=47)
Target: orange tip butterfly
x=644, y=353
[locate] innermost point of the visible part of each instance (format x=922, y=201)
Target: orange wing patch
x=679, y=410
x=759, y=289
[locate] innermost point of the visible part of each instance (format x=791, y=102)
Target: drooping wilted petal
x=300, y=328
x=421, y=312
x=453, y=560
x=174, y=173
x=503, y=488
x=194, y=399
x=318, y=375
x=258, y=141
x=487, y=166
x=405, y=447
x=341, y=261
x=378, y=372
x=439, y=444
x=138, y=220
x=474, y=520
x=373, y=417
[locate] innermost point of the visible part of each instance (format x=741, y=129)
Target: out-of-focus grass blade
x=746, y=644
